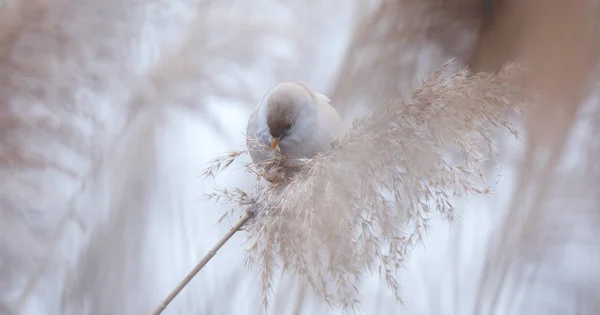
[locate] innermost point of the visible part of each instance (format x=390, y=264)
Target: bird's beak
x=275, y=142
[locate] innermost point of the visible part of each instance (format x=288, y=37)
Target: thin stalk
x=211, y=253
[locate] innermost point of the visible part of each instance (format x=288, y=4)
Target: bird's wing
x=330, y=122
x=318, y=96
x=329, y=126
x=254, y=132
x=252, y=126
x=322, y=97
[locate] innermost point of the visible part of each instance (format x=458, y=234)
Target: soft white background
x=154, y=90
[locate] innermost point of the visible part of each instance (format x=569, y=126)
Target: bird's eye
x=288, y=126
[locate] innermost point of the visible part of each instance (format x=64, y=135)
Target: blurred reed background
x=110, y=109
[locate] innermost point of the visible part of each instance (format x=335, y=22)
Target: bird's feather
x=318, y=123
x=323, y=98
x=255, y=135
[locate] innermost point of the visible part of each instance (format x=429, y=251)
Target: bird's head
x=290, y=108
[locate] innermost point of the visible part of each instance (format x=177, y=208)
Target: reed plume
x=365, y=203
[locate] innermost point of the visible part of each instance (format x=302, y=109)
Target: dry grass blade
x=365, y=203
x=221, y=163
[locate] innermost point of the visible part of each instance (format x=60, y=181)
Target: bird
x=294, y=119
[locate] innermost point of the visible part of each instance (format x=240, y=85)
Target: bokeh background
x=110, y=109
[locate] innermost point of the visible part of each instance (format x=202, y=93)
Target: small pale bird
x=294, y=118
